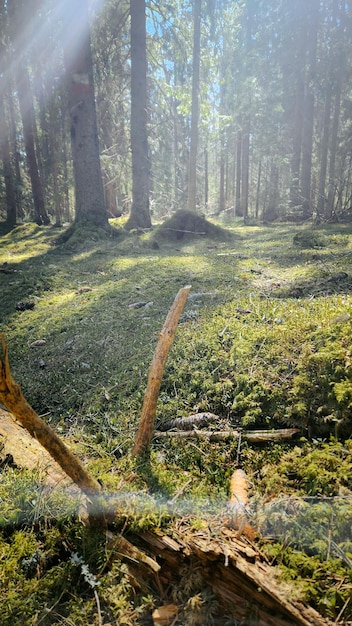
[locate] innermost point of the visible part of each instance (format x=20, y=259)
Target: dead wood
x=146, y=425
x=28, y=453
x=244, y=584
x=253, y=436
x=12, y=398
x=238, y=511
x=187, y=423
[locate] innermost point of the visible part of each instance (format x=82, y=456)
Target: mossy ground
x=264, y=341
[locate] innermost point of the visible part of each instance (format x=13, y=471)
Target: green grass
x=264, y=341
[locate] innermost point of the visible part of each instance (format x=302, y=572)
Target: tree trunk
x=206, y=178
x=308, y=120
x=245, y=170
x=333, y=149
x=324, y=150
x=89, y=193
x=7, y=166
x=222, y=179
x=259, y=179
x=17, y=27
x=15, y=152
x=297, y=122
x=192, y=166
x=271, y=212
x=140, y=214
x=29, y=134
x=238, y=204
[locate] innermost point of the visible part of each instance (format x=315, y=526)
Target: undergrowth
x=264, y=342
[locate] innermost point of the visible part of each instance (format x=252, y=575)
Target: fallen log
x=245, y=585
x=253, y=436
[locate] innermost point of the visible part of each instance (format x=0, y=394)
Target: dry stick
x=12, y=397
x=253, y=436
x=146, y=425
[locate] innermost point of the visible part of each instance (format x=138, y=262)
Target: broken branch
x=254, y=436
x=166, y=337
x=12, y=397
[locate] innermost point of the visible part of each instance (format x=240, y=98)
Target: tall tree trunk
x=238, y=203
x=192, y=166
x=222, y=178
x=308, y=122
x=5, y=150
x=206, y=178
x=89, y=193
x=297, y=122
x=15, y=152
x=7, y=165
x=324, y=150
x=259, y=180
x=333, y=150
x=245, y=170
x=18, y=14
x=270, y=213
x=140, y=214
x=295, y=193
x=29, y=134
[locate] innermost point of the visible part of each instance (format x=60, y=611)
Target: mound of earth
x=186, y=225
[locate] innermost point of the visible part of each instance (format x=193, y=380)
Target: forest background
x=267, y=86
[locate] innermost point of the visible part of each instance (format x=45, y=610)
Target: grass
x=264, y=341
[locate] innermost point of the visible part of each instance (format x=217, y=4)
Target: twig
x=100, y=617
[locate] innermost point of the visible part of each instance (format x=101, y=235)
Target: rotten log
x=244, y=584
x=166, y=337
x=253, y=436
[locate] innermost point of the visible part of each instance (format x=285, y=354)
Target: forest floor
x=264, y=342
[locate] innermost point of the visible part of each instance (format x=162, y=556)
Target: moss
x=187, y=225
x=245, y=349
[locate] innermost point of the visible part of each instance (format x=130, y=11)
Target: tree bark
x=330, y=208
x=140, y=214
x=309, y=103
x=324, y=150
x=245, y=169
x=89, y=193
x=11, y=204
x=193, y=150
x=29, y=133
x=238, y=201
x=271, y=211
